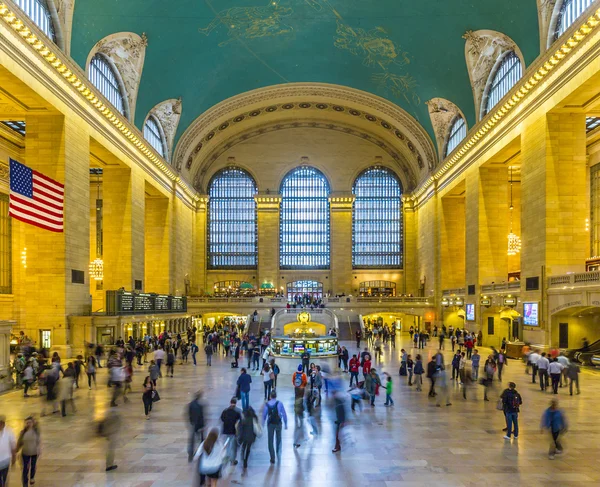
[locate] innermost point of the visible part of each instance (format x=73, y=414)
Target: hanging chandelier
x=514, y=242
x=97, y=269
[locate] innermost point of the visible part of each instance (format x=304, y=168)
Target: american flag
x=36, y=199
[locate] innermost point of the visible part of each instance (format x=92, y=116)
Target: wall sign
x=531, y=314
x=470, y=314
x=485, y=302
x=510, y=301
x=131, y=303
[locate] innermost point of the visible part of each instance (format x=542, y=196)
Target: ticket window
x=106, y=335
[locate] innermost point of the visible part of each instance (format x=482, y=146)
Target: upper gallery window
x=154, y=135
x=458, y=131
x=232, y=236
x=569, y=12
x=377, y=220
x=508, y=72
x=37, y=10
x=304, y=223
x=104, y=77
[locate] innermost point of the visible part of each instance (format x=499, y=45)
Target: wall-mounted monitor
x=531, y=314
x=470, y=312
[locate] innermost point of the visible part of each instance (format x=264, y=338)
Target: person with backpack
x=194, y=350
x=511, y=403
x=299, y=382
x=208, y=350
x=501, y=361
x=274, y=416
x=372, y=384
x=230, y=417
x=276, y=370
x=554, y=420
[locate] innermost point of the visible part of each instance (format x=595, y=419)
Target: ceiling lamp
x=97, y=269
x=514, y=242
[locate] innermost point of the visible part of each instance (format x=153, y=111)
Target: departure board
x=130, y=303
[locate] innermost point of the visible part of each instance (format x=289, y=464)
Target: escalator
x=585, y=356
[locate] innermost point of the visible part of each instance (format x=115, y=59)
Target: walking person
x=533, y=360
x=340, y=419
x=353, y=367
x=299, y=382
x=90, y=371
x=441, y=381
x=194, y=350
x=419, y=371
x=110, y=428
x=410, y=366
x=243, y=385
x=275, y=369
x=249, y=430
x=573, y=376
x=147, y=395
x=208, y=350
x=431, y=370
x=475, y=358
x=555, y=369
x=511, y=404
x=372, y=384
x=501, y=361
x=8, y=451
x=30, y=445
x=388, y=391
x=489, y=370
x=268, y=377
x=196, y=420
x=554, y=420
x=170, y=362
x=230, y=418
x=542, y=367
x=274, y=416
x=299, y=417
x=210, y=456
x=159, y=356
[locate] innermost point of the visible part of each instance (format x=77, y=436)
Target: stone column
x=553, y=202
x=340, y=205
x=157, y=245
x=58, y=147
x=411, y=279
x=267, y=207
x=199, y=245
x=452, y=242
x=5, y=377
x=124, y=201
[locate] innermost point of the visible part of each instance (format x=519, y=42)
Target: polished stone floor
x=412, y=444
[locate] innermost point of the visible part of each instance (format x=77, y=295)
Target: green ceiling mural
x=208, y=50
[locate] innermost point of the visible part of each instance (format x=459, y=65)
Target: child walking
x=388, y=391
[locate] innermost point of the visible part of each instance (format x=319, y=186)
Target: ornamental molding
x=168, y=114
x=483, y=51
x=4, y=174
x=62, y=11
x=127, y=51
x=442, y=113
x=404, y=170
x=548, y=11
x=346, y=101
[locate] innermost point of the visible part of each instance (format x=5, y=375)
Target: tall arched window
x=508, y=72
x=154, y=135
x=458, y=131
x=232, y=236
x=304, y=222
x=377, y=220
x=103, y=77
x=569, y=12
x=38, y=11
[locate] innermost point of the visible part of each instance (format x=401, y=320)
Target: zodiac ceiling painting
x=374, y=47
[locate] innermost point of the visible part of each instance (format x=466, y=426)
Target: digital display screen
x=470, y=312
x=531, y=314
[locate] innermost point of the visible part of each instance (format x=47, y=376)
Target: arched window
x=569, y=12
x=304, y=222
x=508, y=72
x=377, y=220
x=103, y=77
x=37, y=10
x=304, y=291
x=377, y=289
x=458, y=131
x=154, y=135
x=232, y=236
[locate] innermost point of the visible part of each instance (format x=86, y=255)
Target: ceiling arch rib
x=321, y=103
x=443, y=113
x=168, y=113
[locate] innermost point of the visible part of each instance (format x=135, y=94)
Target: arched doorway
x=304, y=292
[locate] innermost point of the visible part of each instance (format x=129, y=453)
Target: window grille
x=570, y=11
x=304, y=223
x=154, y=136
x=38, y=11
x=232, y=235
x=505, y=77
x=377, y=220
x=458, y=131
x=103, y=77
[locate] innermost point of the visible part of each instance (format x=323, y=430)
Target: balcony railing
x=459, y=291
x=575, y=279
x=334, y=300
x=503, y=286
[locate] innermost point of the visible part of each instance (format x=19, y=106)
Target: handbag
x=500, y=404
x=155, y=396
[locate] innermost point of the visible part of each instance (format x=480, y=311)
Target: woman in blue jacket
x=554, y=421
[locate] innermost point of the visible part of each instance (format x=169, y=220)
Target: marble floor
x=411, y=444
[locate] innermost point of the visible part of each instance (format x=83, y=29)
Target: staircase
x=348, y=326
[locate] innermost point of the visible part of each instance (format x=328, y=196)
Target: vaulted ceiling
x=206, y=51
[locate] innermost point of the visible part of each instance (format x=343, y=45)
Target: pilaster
x=267, y=207
x=340, y=205
x=157, y=241
x=199, y=263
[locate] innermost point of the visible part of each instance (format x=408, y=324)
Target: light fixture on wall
x=514, y=242
x=96, y=269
